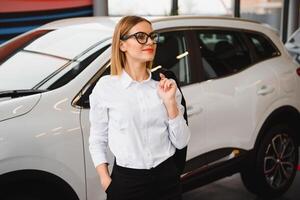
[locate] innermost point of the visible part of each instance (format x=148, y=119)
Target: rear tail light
x=298, y=71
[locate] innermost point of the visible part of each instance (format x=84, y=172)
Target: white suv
x=241, y=89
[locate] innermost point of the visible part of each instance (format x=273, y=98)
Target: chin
x=149, y=58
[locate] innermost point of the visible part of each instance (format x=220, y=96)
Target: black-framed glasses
x=142, y=37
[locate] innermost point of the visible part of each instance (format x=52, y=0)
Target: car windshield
x=70, y=42
x=24, y=70
x=28, y=61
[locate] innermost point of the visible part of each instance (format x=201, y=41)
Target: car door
x=98, y=67
x=174, y=52
x=237, y=90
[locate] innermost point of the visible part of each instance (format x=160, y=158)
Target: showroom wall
x=18, y=16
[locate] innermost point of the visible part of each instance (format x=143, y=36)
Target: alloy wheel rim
x=279, y=161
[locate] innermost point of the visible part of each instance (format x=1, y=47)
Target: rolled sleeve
x=179, y=132
x=98, y=139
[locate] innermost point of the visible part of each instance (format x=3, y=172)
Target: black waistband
x=164, y=165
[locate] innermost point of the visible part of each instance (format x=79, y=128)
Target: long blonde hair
x=118, y=58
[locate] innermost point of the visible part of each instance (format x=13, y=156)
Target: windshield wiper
x=19, y=93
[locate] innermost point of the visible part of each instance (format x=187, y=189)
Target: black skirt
x=159, y=183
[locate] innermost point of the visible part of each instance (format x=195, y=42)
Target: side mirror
x=298, y=58
x=290, y=45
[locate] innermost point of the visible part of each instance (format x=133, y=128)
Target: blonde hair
x=118, y=58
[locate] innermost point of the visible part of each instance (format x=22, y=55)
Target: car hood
x=17, y=106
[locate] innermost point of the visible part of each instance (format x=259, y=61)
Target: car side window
x=84, y=100
x=172, y=54
x=263, y=47
x=223, y=52
x=67, y=77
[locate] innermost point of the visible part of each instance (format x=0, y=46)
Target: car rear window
x=263, y=46
x=223, y=52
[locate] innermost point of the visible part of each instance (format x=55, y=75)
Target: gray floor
x=232, y=188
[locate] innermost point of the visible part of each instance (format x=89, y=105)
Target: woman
x=140, y=119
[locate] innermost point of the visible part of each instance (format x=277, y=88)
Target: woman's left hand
x=166, y=89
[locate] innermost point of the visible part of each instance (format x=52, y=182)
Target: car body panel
x=238, y=96
x=196, y=120
x=11, y=108
x=53, y=141
x=53, y=144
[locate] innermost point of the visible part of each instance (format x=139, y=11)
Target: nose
x=149, y=41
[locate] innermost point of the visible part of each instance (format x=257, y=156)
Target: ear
x=123, y=46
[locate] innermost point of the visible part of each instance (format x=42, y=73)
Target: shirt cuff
x=99, y=160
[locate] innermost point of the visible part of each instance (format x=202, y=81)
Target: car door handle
x=264, y=90
x=194, y=110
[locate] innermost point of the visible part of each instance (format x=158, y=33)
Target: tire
x=34, y=191
x=274, y=165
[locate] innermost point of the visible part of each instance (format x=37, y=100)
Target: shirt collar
x=126, y=80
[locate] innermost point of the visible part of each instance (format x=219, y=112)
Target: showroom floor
x=231, y=188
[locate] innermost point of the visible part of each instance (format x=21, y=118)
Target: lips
x=149, y=50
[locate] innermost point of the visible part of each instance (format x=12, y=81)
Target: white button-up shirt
x=131, y=118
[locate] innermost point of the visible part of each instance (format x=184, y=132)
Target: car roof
x=70, y=37
x=110, y=22
x=107, y=22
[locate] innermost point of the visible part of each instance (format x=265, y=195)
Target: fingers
x=166, y=83
x=169, y=83
x=162, y=84
x=162, y=76
x=162, y=80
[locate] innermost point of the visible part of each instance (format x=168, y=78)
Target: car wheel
x=30, y=195
x=274, y=166
x=33, y=191
x=26, y=196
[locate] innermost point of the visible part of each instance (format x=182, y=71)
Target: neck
x=137, y=71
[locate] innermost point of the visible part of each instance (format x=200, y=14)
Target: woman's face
x=136, y=51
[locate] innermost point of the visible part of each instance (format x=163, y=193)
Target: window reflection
x=172, y=54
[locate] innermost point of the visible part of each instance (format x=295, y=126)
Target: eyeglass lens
x=143, y=37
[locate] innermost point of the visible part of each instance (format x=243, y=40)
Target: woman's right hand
x=103, y=172
x=105, y=182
